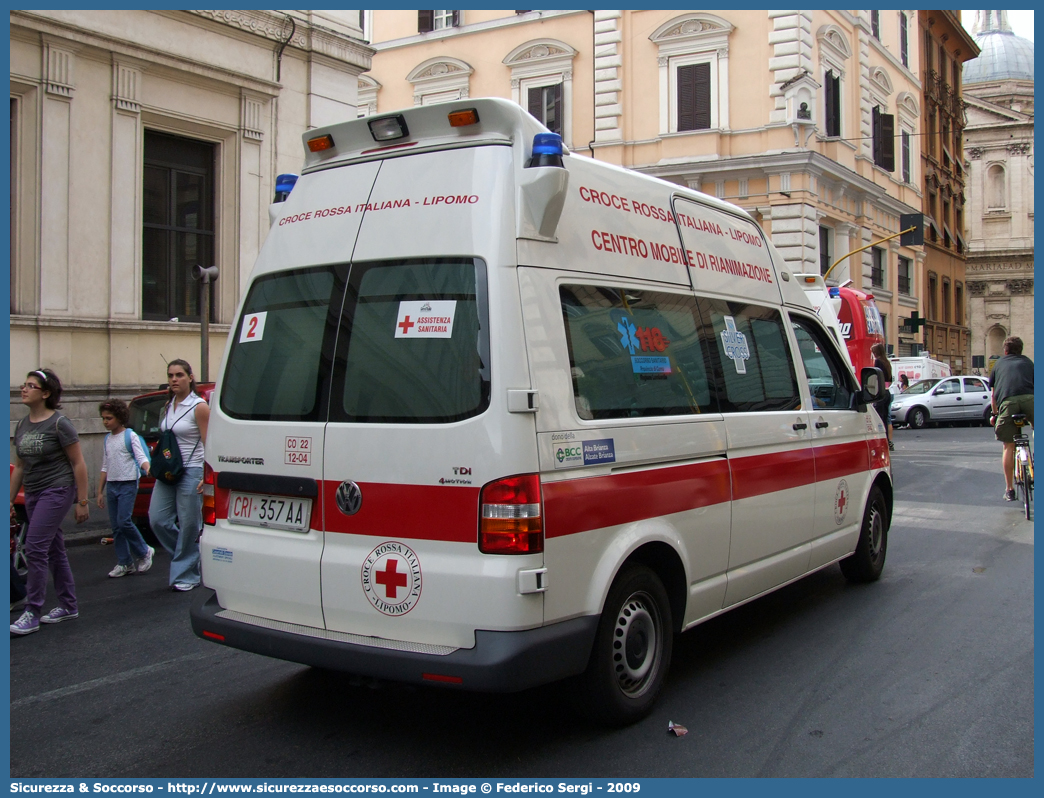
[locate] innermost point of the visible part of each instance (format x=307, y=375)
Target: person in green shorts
x=1012, y=384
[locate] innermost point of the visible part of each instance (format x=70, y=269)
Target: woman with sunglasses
x=50, y=465
x=176, y=511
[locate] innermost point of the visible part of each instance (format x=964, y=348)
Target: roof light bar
x=388, y=128
x=468, y=116
x=321, y=143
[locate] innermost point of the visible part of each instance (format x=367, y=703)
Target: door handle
x=822, y=424
x=800, y=425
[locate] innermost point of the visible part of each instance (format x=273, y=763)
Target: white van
x=923, y=367
x=485, y=425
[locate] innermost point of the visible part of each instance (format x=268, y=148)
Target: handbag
x=166, y=464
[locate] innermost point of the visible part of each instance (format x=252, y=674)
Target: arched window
x=996, y=188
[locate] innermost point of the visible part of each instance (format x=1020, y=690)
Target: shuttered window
x=545, y=103
x=832, y=94
x=694, y=97
x=437, y=20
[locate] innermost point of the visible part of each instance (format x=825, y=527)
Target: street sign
x=915, y=237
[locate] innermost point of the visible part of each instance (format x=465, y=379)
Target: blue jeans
x=127, y=540
x=176, y=517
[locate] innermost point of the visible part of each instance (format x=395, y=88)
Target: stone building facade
x=945, y=46
x=144, y=143
x=999, y=160
x=772, y=110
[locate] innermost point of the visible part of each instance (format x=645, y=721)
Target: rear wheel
x=867, y=562
x=918, y=418
x=632, y=650
x=1023, y=480
x=986, y=416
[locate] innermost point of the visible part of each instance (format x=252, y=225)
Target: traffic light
x=915, y=237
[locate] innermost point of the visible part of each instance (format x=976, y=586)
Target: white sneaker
x=123, y=570
x=145, y=563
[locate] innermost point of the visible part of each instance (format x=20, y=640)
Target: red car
x=145, y=412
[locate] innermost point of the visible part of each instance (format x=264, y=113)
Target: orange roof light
x=321, y=143
x=810, y=279
x=468, y=116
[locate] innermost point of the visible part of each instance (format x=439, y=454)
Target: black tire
x=918, y=418
x=631, y=652
x=867, y=562
x=986, y=417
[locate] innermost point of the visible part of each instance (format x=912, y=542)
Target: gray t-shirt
x=41, y=448
x=1012, y=376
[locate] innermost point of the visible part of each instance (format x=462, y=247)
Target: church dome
x=1004, y=55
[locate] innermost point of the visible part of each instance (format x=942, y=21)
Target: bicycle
x=1023, y=463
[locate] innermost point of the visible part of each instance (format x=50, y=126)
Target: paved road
x=928, y=672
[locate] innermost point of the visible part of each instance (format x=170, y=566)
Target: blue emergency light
x=284, y=185
x=547, y=150
x=835, y=292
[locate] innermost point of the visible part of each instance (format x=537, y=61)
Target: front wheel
x=632, y=650
x=918, y=418
x=867, y=562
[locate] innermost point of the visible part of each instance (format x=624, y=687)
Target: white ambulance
x=494, y=415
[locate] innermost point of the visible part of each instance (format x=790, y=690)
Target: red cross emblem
x=405, y=324
x=841, y=503
x=391, y=578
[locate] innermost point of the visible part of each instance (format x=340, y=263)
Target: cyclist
x=1012, y=384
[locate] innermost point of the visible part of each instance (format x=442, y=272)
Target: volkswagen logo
x=349, y=498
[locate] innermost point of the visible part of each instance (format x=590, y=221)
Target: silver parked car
x=949, y=399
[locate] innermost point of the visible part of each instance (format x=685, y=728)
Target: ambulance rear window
x=634, y=353
x=414, y=343
x=273, y=370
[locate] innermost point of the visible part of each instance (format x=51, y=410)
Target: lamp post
x=204, y=275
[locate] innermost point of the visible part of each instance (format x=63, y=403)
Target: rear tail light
x=511, y=522
x=209, y=500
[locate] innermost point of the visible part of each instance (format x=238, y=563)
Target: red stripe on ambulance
x=840, y=460
x=768, y=473
x=407, y=512
x=577, y=505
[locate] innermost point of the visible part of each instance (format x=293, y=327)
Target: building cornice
x=478, y=27
x=81, y=324
x=43, y=25
x=778, y=163
x=307, y=36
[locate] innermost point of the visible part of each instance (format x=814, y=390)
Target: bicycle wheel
x=1027, y=486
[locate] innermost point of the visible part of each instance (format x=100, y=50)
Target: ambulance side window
x=280, y=353
x=413, y=347
x=753, y=359
x=829, y=383
x=635, y=353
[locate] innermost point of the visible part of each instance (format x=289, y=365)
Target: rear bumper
x=501, y=662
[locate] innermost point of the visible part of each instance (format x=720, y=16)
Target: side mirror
x=873, y=382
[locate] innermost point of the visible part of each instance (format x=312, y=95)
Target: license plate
x=274, y=512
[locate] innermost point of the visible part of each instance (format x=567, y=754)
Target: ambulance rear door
x=429, y=345
x=269, y=410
